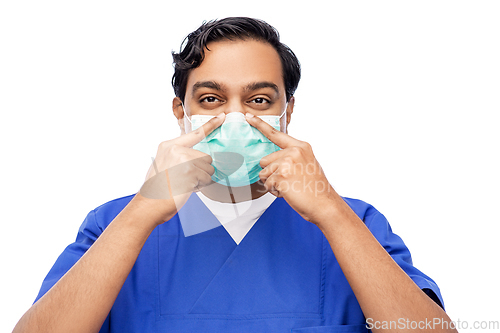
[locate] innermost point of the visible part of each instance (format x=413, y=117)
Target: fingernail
x=221, y=115
x=248, y=115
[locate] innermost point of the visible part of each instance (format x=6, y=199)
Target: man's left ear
x=289, y=111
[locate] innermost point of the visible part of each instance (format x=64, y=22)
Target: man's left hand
x=294, y=174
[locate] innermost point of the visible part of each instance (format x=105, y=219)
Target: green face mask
x=236, y=148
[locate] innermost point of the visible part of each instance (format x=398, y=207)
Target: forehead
x=235, y=64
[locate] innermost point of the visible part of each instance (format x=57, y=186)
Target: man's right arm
x=81, y=300
x=83, y=297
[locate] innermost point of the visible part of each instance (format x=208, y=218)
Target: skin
x=242, y=86
x=382, y=289
x=96, y=279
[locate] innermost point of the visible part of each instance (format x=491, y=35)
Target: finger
x=186, y=177
x=170, y=149
x=266, y=172
x=204, y=178
x=268, y=159
x=281, y=139
x=204, y=163
x=192, y=138
x=273, y=187
x=274, y=192
x=282, y=167
x=170, y=154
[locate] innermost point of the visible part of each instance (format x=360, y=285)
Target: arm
x=81, y=300
x=384, y=291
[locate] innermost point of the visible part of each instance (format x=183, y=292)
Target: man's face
x=236, y=76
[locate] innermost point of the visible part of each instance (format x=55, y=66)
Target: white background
x=399, y=100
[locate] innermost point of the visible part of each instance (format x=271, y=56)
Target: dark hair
x=193, y=48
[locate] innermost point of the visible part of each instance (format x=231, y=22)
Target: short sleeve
x=88, y=233
x=394, y=245
x=91, y=228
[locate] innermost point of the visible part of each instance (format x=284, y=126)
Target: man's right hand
x=96, y=279
x=177, y=171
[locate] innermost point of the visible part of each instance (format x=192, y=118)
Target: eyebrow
x=206, y=84
x=249, y=87
x=260, y=85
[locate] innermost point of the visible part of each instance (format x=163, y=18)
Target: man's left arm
x=384, y=291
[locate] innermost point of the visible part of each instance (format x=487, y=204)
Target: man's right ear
x=178, y=110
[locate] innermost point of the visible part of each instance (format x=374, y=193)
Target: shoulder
x=364, y=210
x=106, y=212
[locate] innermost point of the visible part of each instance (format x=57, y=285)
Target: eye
x=260, y=100
x=210, y=99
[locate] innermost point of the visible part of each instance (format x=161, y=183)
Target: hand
x=178, y=170
x=294, y=174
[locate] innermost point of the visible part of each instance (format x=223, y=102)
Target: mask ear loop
x=187, y=126
x=284, y=121
x=284, y=111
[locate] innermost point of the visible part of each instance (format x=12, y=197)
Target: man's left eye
x=259, y=100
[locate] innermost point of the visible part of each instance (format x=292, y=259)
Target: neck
x=227, y=194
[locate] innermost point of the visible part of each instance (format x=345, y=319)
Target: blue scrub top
x=282, y=277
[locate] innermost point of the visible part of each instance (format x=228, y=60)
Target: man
x=255, y=238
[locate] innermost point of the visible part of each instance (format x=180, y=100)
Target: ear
x=178, y=113
x=289, y=111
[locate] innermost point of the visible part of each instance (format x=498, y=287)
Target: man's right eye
x=210, y=99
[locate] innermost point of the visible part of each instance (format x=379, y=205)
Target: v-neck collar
x=196, y=218
x=239, y=218
x=212, y=276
